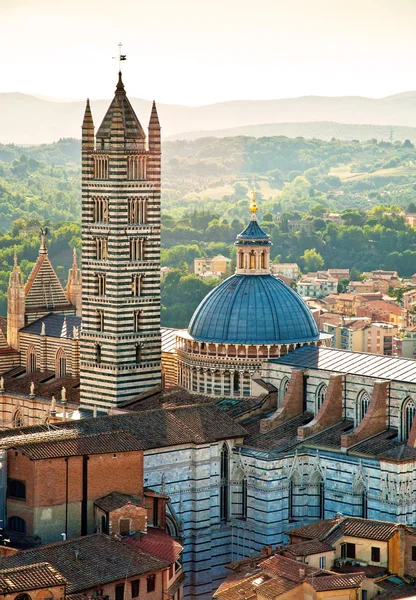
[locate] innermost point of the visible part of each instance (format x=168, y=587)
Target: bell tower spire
x=120, y=346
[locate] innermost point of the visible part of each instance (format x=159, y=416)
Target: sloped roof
x=56, y=325
x=102, y=443
x=132, y=127
x=354, y=363
x=308, y=547
x=153, y=429
x=336, y=582
x=43, y=290
x=332, y=529
x=287, y=567
x=89, y=561
x=117, y=500
x=29, y=577
x=157, y=543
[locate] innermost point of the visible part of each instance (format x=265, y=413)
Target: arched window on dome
x=320, y=395
x=284, y=384
x=252, y=260
x=263, y=260
x=241, y=260
x=361, y=406
x=408, y=415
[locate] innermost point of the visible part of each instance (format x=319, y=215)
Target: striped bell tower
x=120, y=337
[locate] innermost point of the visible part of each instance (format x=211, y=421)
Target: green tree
x=312, y=260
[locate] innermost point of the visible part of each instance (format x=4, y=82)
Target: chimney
x=302, y=573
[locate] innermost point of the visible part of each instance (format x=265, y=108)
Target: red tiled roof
x=336, y=582
x=30, y=577
x=308, y=547
x=287, y=567
x=117, y=500
x=239, y=590
x=351, y=526
x=313, y=531
x=274, y=587
x=157, y=543
x=89, y=561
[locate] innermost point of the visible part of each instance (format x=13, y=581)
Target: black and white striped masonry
x=120, y=338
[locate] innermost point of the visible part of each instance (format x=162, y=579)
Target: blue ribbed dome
x=253, y=309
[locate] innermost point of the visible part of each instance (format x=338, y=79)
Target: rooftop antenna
x=120, y=56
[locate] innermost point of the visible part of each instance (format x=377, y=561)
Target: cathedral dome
x=253, y=309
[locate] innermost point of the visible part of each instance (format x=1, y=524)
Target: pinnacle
x=120, y=84
x=88, y=122
x=154, y=118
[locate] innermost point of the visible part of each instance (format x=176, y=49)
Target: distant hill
x=28, y=119
x=323, y=130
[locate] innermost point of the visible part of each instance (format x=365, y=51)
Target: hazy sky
x=203, y=51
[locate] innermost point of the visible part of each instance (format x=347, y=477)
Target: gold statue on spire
x=253, y=205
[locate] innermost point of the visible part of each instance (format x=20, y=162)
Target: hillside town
x=267, y=451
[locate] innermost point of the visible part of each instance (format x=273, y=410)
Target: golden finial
x=253, y=205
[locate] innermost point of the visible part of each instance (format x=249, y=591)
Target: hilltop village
x=267, y=451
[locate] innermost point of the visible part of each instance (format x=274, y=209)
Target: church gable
x=43, y=289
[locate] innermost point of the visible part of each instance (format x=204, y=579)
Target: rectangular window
x=124, y=526
x=120, y=591
x=375, y=554
x=171, y=573
x=136, y=284
x=100, y=167
x=136, y=249
x=322, y=562
x=135, y=587
x=155, y=512
x=100, y=320
x=151, y=583
x=101, y=248
x=136, y=320
x=100, y=284
x=413, y=552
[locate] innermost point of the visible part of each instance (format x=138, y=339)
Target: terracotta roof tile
x=336, y=582
x=242, y=589
x=117, y=500
x=88, y=562
x=308, y=547
x=151, y=428
x=330, y=530
x=275, y=587
x=30, y=577
x=317, y=530
x=157, y=543
x=287, y=567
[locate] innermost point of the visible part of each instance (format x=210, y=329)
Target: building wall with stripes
x=120, y=350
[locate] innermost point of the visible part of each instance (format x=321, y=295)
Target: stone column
x=241, y=382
